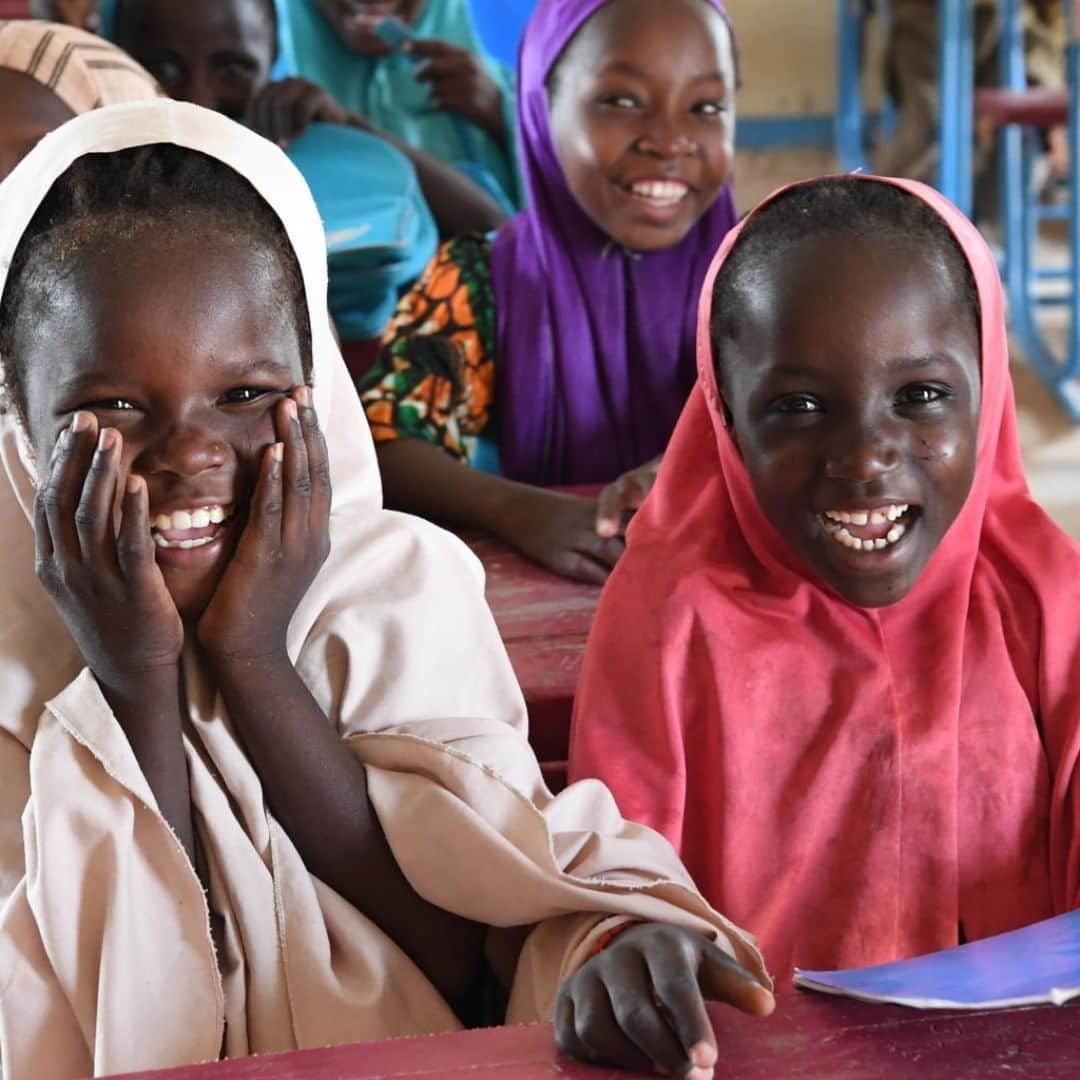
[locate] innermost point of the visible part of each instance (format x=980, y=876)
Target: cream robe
x=106, y=957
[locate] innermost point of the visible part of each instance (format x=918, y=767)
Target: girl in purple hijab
x=561, y=352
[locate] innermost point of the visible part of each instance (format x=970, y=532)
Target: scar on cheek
x=935, y=453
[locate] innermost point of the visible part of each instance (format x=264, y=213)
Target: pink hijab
x=851, y=785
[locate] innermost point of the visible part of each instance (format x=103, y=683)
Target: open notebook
x=1040, y=963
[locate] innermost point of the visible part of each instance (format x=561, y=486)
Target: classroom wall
x=789, y=70
x=789, y=56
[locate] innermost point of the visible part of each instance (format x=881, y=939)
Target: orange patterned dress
x=435, y=375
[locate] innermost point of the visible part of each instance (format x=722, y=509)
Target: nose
x=665, y=137
x=201, y=90
x=183, y=451
x=862, y=454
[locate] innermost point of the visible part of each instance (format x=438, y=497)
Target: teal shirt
x=386, y=91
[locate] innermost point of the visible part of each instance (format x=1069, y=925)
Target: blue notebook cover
x=1038, y=964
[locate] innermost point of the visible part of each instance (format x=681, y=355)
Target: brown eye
x=922, y=394
x=243, y=395
x=795, y=405
x=619, y=101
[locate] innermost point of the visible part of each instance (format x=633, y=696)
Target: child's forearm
x=149, y=712
x=317, y=789
x=421, y=478
x=458, y=205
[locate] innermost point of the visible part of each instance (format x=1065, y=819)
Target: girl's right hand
x=558, y=531
x=104, y=581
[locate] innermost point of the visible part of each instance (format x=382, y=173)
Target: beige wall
x=789, y=56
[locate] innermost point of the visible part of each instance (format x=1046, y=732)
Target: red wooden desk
x=808, y=1037
x=543, y=620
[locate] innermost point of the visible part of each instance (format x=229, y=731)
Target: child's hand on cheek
x=285, y=542
x=106, y=584
x=640, y=1004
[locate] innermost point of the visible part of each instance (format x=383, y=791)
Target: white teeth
x=183, y=545
x=660, y=190
x=868, y=517
x=200, y=518
x=842, y=536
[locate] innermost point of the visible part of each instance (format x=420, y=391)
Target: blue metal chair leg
x=849, y=123
x=1020, y=226
x=956, y=76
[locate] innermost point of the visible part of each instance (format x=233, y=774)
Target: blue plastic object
x=379, y=231
x=394, y=32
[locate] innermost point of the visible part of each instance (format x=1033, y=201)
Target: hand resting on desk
x=640, y=1004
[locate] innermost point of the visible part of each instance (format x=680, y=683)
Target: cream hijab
x=106, y=958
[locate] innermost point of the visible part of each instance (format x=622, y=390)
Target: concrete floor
x=1050, y=443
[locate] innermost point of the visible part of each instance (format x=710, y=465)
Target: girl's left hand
x=285, y=542
x=459, y=82
x=640, y=1004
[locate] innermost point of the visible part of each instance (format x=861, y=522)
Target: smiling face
x=213, y=53
x=354, y=21
x=186, y=352
x=28, y=112
x=853, y=386
x=643, y=118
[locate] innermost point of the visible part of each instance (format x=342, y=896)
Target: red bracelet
x=608, y=936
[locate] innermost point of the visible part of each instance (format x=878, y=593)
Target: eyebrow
x=894, y=363
x=253, y=365
x=257, y=365
x=624, y=67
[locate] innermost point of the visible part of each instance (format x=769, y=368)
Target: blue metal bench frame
x=1020, y=221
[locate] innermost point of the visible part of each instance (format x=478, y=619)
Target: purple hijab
x=595, y=346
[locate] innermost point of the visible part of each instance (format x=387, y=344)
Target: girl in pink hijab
x=838, y=665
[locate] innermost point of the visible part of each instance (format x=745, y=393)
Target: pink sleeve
x=623, y=732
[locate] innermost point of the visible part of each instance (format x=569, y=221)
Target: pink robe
x=851, y=785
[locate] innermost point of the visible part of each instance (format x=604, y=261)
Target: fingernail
x=700, y=1074
x=80, y=421
x=703, y=1055
x=107, y=439
x=134, y=484
x=290, y=409
x=303, y=396
x=277, y=451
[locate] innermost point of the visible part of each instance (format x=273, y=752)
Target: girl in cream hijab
x=264, y=781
